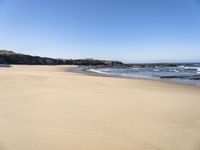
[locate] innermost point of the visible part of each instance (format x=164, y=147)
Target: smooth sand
x=45, y=108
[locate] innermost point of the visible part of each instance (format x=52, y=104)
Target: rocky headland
x=10, y=57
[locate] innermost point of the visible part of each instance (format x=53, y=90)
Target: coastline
x=50, y=107
x=86, y=71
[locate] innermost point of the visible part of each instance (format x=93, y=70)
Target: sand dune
x=46, y=108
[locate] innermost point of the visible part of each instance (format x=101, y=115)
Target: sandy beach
x=47, y=108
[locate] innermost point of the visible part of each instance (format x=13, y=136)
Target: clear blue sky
x=127, y=30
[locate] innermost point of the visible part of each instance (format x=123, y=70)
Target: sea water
x=187, y=73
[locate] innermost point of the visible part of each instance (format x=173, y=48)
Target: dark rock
x=172, y=77
x=153, y=65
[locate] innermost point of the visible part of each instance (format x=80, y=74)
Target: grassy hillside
x=6, y=52
x=10, y=57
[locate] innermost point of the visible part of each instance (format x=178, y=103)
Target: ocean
x=186, y=73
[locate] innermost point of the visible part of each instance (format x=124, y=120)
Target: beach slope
x=47, y=108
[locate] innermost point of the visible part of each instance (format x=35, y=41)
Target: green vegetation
x=10, y=57
x=6, y=52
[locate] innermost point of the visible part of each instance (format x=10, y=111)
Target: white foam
x=181, y=66
x=198, y=70
x=174, y=70
x=100, y=72
x=195, y=68
x=135, y=68
x=191, y=68
x=94, y=70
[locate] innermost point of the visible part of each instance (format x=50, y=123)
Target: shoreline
x=82, y=70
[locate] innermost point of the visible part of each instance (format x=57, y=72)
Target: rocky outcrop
x=193, y=77
x=153, y=65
